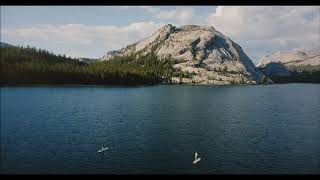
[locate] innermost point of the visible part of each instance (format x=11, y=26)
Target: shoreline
x=136, y=85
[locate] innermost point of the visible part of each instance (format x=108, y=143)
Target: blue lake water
x=157, y=129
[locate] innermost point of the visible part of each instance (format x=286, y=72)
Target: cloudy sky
x=91, y=31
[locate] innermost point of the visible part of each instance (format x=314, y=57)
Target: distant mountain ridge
x=292, y=66
x=3, y=44
x=293, y=58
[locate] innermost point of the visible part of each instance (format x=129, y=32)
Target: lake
x=157, y=129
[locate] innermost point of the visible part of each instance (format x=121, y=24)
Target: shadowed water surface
x=157, y=129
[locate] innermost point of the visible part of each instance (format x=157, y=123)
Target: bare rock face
x=205, y=53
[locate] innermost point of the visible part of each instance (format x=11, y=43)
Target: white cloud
x=151, y=9
x=166, y=14
x=83, y=37
x=124, y=7
x=181, y=15
x=268, y=29
x=258, y=30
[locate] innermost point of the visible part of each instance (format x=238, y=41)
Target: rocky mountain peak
x=203, y=51
x=195, y=27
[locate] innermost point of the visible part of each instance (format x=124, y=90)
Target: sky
x=92, y=31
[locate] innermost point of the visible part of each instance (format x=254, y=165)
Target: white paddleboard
x=102, y=149
x=196, y=160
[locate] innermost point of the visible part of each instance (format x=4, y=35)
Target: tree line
x=300, y=74
x=29, y=65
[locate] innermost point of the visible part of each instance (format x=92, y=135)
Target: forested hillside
x=300, y=74
x=28, y=65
